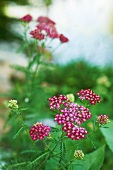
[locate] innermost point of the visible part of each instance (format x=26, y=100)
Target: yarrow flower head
x=12, y=104
x=78, y=154
x=39, y=131
x=37, y=33
x=49, y=28
x=47, y=25
x=26, y=18
x=74, y=113
x=102, y=119
x=58, y=102
x=74, y=132
x=45, y=29
x=89, y=95
x=43, y=19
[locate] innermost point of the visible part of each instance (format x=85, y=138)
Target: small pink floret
x=63, y=39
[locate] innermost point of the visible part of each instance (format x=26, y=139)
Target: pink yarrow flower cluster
x=39, y=131
x=74, y=132
x=37, y=34
x=46, y=28
x=57, y=102
x=73, y=113
x=88, y=94
x=69, y=116
x=43, y=19
x=49, y=29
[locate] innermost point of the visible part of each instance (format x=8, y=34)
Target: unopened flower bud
x=49, y=136
x=12, y=104
x=102, y=119
x=78, y=154
x=63, y=39
x=70, y=97
x=27, y=18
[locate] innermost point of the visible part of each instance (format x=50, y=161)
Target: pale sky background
x=85, y=22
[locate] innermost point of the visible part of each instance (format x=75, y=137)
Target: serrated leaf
x=108, y=134
x=92, y=161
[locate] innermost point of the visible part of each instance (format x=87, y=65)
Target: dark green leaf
x=108, y=134
x=92, y=161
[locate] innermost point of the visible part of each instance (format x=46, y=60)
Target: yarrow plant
x=44, y=29
x=71, y=115
x=45, y=143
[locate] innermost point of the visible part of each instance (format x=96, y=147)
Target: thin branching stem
x=26, y=41
x=27, y=131
x=44, y=161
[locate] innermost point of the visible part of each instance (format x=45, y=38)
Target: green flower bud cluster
x=78, y=154
x=12, y=104
x=70, y=97
x=102, y=119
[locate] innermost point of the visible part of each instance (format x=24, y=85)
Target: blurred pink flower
x=63, y=39
x=26, y=18
x=49, y=29
x=43, y=19
x=37, y=33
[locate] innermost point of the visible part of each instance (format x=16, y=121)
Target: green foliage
x=108, y=134
x=35, y=102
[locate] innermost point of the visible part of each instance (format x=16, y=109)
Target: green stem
x=47, y=146
x=44, y=161
x=27, y=131
x=26, y=40
x=76, y=144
